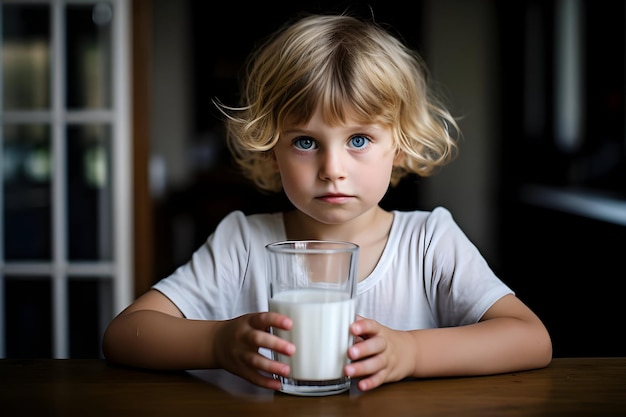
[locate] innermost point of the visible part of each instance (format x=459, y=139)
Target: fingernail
x=354, y=352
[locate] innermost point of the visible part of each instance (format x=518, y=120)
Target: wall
x=462, y=55
x=171, y=111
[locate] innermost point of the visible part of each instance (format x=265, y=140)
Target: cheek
x=377, y=176
x=291, y=174
x=295, y=184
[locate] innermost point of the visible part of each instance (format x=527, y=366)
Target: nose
x=332, y=165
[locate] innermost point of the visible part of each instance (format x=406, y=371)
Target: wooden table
x=91, y=388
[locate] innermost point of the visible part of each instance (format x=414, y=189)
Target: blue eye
x=359, y=141
x=304, y=143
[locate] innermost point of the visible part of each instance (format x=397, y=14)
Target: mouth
x=335, y=198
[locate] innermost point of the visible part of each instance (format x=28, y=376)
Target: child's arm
x=509, y=337
x=152, y=333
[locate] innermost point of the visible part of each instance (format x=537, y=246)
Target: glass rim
x=302, y=246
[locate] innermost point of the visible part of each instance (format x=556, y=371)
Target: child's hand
x=237, y=344
x=378, y=354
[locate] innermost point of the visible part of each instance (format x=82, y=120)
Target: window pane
x=25, y=56
x=28, y=307
x=89, y=192
x=89, y=55
x=26, y=166
x=86, y=296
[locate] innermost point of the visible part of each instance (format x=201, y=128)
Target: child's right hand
x=237, y=342
x=153, y=333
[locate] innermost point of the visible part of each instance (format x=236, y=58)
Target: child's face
x=335, y=173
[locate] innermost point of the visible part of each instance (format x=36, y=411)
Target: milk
x=320, y=332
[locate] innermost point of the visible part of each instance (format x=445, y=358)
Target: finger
x=365, y=368
x=365, y=328
x=264, y=321
x=367, y=384
x=261, y=380
x=367, y=348
x=260, y=370
x=271, y=342
x=262, y=363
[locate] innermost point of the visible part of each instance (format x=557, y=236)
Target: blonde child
x=335, y=110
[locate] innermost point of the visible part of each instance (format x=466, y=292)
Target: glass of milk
x=314, y=283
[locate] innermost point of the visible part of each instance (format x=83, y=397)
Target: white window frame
x=119, y=269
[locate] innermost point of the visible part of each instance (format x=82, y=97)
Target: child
x=335, y=110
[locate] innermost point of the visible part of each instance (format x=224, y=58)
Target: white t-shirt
x=429, y=275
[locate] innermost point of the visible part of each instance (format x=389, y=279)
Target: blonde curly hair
x=343, y=65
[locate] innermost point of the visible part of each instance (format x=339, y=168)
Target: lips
x=335, y=198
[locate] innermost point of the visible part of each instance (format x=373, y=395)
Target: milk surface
x=320, y=332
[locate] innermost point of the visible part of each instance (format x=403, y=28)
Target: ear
x=272, y=157
x=398, y=159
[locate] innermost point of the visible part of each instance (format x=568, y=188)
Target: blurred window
x=64, y=180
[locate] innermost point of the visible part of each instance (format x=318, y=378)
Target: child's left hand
x=379, y=354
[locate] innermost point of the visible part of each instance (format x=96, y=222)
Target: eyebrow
x=294, y=131
x=365, y=128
